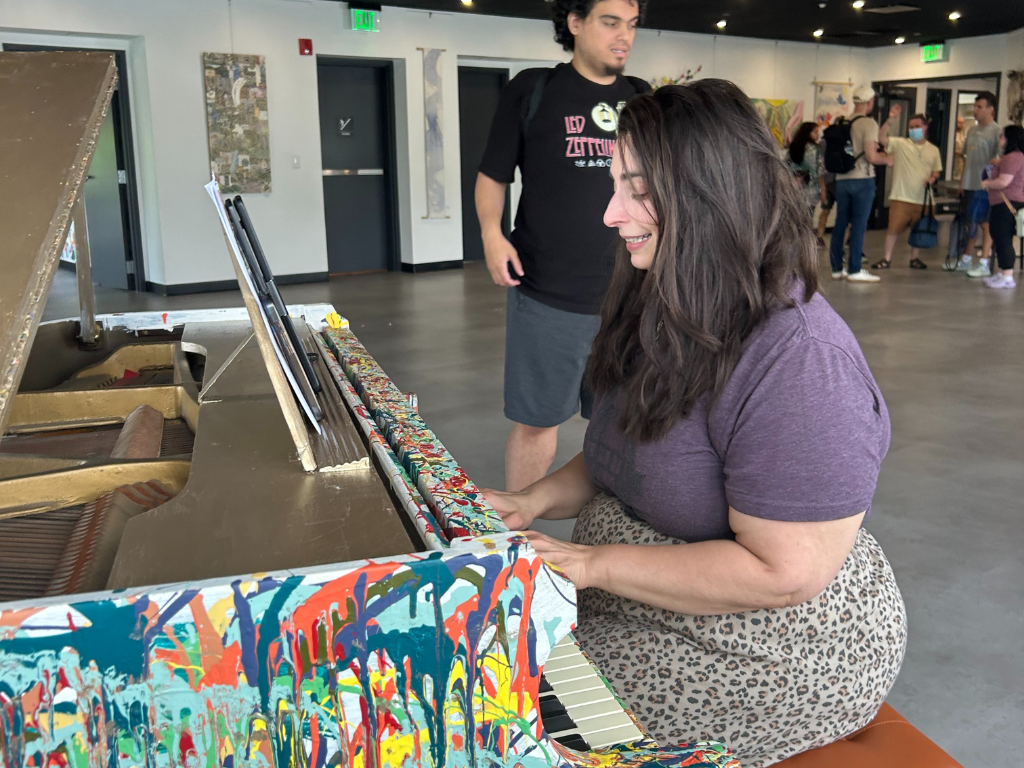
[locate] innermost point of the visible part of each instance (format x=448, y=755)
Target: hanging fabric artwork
x=783, y=117
x=1015, y=96
x=433, y=137
x=237, y=122
x=831, y=100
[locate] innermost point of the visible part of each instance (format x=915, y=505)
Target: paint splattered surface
x=427, y=660
x=457, y=504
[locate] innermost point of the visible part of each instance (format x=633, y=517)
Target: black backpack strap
x=639, y=84
x=535, y=96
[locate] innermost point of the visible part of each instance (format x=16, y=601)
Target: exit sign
x=934, y=52
x=365, y=20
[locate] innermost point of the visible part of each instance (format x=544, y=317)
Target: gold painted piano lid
x=52, y=106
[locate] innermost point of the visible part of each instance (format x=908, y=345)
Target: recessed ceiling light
x=954, y=15
x=901, y=40
x=721, y=24
x=467, y=2
x=819, y=32
x=858, y=4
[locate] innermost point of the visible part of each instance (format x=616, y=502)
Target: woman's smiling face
x=628, y=211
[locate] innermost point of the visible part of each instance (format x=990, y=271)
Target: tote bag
x=925, y=233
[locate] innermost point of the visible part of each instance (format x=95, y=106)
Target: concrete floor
x=948, y=355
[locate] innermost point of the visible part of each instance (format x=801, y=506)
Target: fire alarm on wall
x=305, y=46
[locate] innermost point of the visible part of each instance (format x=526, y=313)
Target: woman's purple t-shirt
x=798, y=434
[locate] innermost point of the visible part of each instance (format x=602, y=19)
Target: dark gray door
x=938, y=106
x=103, y=212
x=356, y=144
x=888, y=95
x=479, y=91
x=111, y=190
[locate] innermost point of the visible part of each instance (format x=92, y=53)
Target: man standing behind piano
x=558, y=126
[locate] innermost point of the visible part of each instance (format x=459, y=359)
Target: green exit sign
x=934, y=52
x=364, y=20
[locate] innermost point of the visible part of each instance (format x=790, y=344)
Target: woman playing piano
x=727, y=587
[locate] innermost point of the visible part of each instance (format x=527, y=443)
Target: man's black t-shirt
x=566, y=250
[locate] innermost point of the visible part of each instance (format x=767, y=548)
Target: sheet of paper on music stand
x=214, y=190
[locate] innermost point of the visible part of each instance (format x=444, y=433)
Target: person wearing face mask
x=1005, y=198
x=727, y=587
x=916, y=165
x=558, y=127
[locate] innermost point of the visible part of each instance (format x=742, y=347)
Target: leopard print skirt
x=769, y=683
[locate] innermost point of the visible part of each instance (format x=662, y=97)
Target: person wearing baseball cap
x=855, y=190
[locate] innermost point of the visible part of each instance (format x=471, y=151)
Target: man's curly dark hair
x=582, y=8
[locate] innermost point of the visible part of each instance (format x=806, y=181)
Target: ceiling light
x=858, y=4
x=721, y=24
x=819, y=32
x=954, y=15
x=467, y=2
x=901, y=40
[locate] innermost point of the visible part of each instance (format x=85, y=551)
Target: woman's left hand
x=575, y=560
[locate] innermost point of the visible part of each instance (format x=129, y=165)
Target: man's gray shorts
x=546, y=353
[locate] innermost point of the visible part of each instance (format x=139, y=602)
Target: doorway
x=357, y=147
x=938, y=105
x=479, y=91
x=888, y=97
x=111, y=189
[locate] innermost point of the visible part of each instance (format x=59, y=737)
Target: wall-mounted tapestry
x=237, y=122
x=830, y=101
x=1015, y=96
x=433, y=137
x=783, y=117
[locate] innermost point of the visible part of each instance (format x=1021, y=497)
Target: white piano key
x=587, y=698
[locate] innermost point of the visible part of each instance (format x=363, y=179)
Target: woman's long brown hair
x=733, y=236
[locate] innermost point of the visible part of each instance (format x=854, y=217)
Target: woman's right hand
x=517, y=510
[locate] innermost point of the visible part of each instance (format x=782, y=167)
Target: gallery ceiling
x=878, y=23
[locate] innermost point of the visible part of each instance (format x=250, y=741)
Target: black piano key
x=558, y=723
x=551, y=708
x=545, y=686
x=574, y=741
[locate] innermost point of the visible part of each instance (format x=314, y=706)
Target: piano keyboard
x=577, y=706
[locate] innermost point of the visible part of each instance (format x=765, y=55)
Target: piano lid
x=52, y=106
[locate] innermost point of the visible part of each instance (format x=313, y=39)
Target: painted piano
x=384, y=616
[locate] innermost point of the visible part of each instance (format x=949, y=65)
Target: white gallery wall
x=165, y=42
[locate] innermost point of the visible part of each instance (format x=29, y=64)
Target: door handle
x=353, y=172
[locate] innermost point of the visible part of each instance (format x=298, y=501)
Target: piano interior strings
x=180, y=587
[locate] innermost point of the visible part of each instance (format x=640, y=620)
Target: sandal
x=917, y=264
x=883, y=264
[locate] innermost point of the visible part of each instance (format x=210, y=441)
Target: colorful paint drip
x=457, y=504
x=428, y=660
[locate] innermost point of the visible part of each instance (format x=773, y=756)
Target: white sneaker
x=863, y=277
x=981, y=270
x=839, y=275
x=1000, y=281
x=964, y=265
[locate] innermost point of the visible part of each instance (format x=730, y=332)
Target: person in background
x=958, y=149
x=807, y=162
x=980, y=147
x=558, y=126
x=827, y=203
x=855, y=191
x=1006, y=197
x=727, y=586
x=916, y=165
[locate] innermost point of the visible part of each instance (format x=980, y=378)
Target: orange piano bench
x=888, y=741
